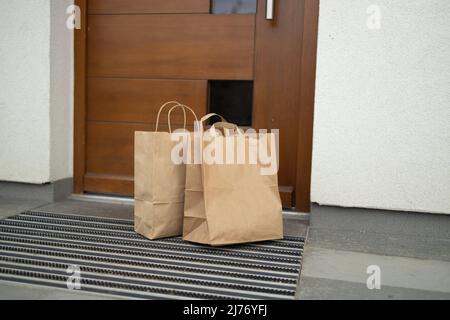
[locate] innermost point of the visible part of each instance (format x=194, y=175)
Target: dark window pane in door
x=233, y=100
x=233, y=6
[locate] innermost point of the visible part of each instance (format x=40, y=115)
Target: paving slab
x=327, y=289
x=11, y=207
x=422, y=246
x=398, y=272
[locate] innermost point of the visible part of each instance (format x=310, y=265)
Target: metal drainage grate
x=38, y=248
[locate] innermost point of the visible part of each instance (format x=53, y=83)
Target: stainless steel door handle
x=270, y=9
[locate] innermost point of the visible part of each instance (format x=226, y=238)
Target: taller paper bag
x=231, y=203
x=159, y=182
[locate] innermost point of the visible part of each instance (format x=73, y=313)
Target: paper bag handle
x=174, y=104
x=184, y=107
x=227, y=125
x=165, y=105
x=210, y=115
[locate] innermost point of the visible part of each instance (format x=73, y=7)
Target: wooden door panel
x=181, y=46
x=148, y=6
x=278, y=52
x=138, y=100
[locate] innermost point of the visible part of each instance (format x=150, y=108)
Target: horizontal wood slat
x=124, y=185
x=138, y=100
x=148, y=6
x=110, y=159
x=182, y=46
x=110, y=147
x=120, y=185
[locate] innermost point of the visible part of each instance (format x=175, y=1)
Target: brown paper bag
x=231, y=203
x=159, y=183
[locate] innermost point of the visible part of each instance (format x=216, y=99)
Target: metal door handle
x=270, y=9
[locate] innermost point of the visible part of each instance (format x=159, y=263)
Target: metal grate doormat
x=105, y=255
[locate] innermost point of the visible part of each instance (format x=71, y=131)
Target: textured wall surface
x=36, y=91
x=24, y=91
x=382, y=118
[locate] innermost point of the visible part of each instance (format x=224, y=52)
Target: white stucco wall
x=382, y=117
x=35, y=91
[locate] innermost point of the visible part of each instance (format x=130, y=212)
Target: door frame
x=306, y=110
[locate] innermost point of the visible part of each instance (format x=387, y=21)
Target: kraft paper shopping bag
x=236, y=201
x=159, y=182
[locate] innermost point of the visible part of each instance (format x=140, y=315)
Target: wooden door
x=134, y=55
